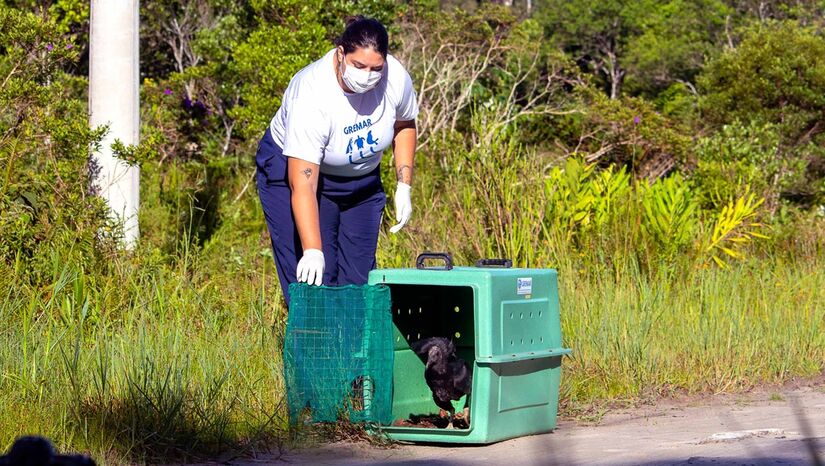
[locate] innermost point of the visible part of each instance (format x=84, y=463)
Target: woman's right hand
x=303, y=181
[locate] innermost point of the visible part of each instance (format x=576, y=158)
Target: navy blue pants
x=350, y=212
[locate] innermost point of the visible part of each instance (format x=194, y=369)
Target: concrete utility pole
x=114, y=101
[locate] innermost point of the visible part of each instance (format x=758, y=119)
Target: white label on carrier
x=524, y=285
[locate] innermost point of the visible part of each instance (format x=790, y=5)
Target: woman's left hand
x=403, y=206
x=311, y=267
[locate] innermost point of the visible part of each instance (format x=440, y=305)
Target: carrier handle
x=504, y=263
x=445, y=256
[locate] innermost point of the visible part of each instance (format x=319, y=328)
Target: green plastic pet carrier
x=503, y=321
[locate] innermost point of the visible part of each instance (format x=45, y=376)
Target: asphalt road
x=765, y=428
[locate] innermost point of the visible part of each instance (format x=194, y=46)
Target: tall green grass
x=149, y=363
x=164, y=359
x=712, y=330
x=173, y=351
x=181, y=359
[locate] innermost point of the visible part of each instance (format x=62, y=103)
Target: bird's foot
x=448, y=416
x=467, y=415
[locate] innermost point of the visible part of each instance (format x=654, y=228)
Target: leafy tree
x=807, y=12
x=626, y=132
x=594, y=32
x=741, y=158
x=776, y=76
x=647, y=45
x=676, y=37
x=169, y=30
x=266, y=61
x=47, y=213
x=70, y=18
x=484, y=64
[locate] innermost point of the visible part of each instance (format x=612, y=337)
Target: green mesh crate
x=338, y=353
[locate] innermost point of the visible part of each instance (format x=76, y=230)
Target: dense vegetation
x=667, y=156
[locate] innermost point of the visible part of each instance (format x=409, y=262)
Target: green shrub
x=46, y=207
x=670, y=214
x=775, y=77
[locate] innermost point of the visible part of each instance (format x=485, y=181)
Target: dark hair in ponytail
x=363, y=32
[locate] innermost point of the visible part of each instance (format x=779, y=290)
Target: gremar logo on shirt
x=358, y=126
x=360, y=147
x=359, y=152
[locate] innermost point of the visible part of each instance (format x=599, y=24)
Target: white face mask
x=359, y=81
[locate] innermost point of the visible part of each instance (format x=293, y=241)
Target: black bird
x=38, y=451
x=448, y=376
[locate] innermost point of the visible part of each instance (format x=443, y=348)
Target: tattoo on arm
x=307, y=172
x=404, y=174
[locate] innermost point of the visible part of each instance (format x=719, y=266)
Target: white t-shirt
x=344, y=133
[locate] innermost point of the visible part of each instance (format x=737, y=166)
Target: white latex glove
x=311, y=267
x=403, y=206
